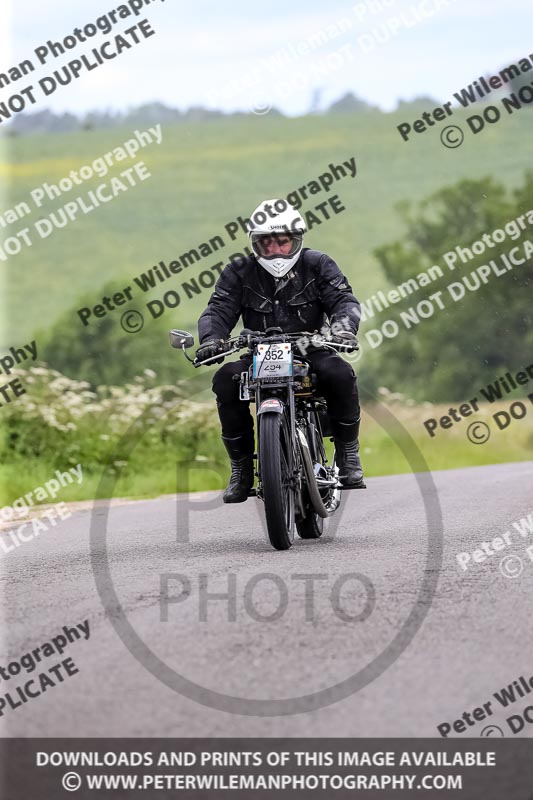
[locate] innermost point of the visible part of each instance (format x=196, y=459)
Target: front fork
x=294, y=460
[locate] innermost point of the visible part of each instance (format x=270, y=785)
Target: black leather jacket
x=314, y=289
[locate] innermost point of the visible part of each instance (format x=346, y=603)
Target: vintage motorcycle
x=298, y=486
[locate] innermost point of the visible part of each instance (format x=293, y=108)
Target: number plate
x=273, y=361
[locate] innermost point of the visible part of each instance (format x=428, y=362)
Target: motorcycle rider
x=288, y=286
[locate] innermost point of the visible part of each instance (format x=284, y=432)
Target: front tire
x=274, y=457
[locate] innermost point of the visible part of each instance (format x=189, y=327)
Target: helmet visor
x=276, y=245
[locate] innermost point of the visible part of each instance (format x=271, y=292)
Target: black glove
x=347, y=338
x=209, y=349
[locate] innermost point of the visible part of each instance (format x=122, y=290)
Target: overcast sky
x=239, y=55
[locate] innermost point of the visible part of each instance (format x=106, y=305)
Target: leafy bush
x=64, y=422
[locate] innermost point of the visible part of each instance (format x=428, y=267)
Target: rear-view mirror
x=181, y=339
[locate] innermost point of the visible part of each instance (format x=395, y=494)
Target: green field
x=205, y=174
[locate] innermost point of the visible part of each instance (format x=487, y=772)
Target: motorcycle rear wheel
x=311, y=526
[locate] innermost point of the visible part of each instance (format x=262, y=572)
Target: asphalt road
x=269, y=626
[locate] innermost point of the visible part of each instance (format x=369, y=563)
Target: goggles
x=276, y=245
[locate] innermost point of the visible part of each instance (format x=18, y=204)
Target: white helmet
x=276, y=232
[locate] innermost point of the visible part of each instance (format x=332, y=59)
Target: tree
x=350, y=104
x=103, y=353
x=487, y=332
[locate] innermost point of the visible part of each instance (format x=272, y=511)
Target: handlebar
x=248, y=339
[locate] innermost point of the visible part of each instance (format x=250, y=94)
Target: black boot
x=240, y=450
x=346, y=438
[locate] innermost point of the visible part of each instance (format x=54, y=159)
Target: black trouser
x=336, y=383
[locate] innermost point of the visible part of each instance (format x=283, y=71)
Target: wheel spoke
x=288, y=499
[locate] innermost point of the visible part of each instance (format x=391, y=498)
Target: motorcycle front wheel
x=278, y=496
